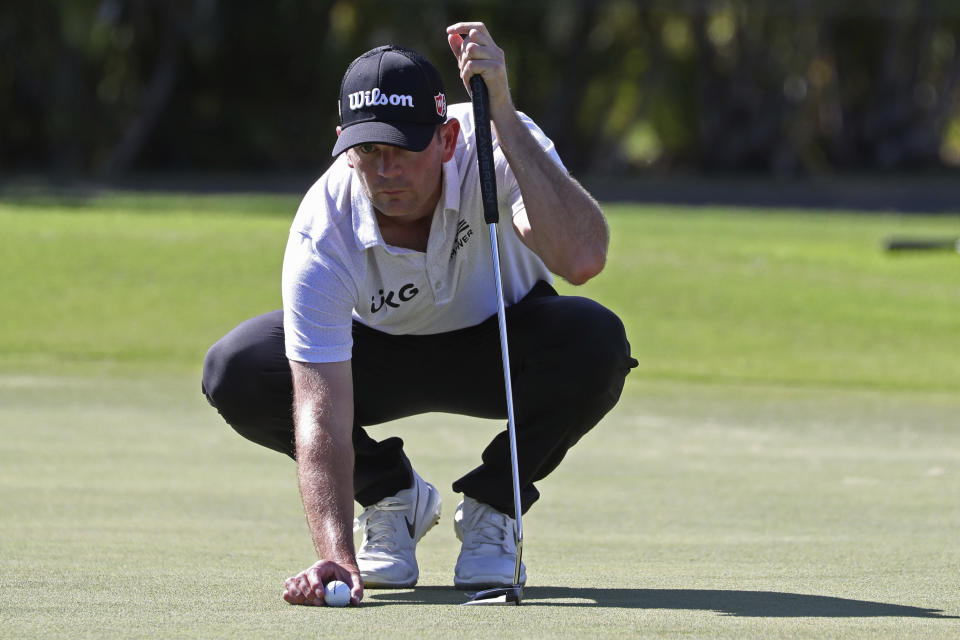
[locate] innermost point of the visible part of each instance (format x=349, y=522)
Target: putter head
x=501, y=596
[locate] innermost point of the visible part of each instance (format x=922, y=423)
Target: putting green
x=130, y=510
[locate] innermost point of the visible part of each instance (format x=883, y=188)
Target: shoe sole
x=387, y=585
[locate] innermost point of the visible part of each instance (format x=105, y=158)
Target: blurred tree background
x=103, y=88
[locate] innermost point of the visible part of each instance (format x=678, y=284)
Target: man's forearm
x=323, y=414
x=325, y=472
x=564, y=224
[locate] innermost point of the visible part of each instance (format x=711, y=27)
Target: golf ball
x=336, y=594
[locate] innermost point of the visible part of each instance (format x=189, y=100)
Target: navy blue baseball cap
x=390, y=95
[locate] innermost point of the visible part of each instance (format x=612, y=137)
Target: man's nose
x=390, y=162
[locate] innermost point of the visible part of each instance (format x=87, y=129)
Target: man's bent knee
x=246, y=377
x=591, y=353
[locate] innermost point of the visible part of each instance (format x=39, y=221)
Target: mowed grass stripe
x=156, y=287
x=706, y=294
x=794, y=298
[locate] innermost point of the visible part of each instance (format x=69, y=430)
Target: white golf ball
x=336, y=594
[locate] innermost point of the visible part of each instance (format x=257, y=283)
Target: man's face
x=404, y=185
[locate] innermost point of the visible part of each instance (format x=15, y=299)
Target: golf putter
x=488, y=194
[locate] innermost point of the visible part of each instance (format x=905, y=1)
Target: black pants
x=568, y=360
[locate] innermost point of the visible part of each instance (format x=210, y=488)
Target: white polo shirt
x=337, y=268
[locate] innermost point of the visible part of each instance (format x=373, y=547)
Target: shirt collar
x=364, y=220
x=451, y=187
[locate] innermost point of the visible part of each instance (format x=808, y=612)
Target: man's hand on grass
x=307, y=586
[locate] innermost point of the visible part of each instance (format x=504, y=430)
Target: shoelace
x=487, y=526
x=380, y=525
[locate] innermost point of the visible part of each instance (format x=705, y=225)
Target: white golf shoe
x=391, y=528
x=489, y=553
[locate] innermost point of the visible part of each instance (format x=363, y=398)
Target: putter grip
x=484, y=138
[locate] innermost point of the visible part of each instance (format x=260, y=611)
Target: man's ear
x=449, y=134
x=339, y=131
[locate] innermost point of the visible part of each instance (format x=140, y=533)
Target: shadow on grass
x=747, y=604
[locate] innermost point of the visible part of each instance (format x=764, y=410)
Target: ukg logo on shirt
x=407, y=292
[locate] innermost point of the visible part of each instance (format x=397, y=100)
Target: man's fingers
x=303, y=585
x=474, y=51
x=478, y=54
x=292, y=592
x=293, y=597
x=317, y=579
x=356, y=588
x=456, y=43
x=308, y=590
x=296, y=597
x=470, y=27
x=481, y=67
x=468, y=39
x=298, y=590
x=475, y=44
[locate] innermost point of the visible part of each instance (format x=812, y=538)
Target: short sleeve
x=318, y=302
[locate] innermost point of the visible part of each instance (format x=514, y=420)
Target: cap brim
x=407, y=135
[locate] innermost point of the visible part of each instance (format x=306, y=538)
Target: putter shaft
x=511, y=428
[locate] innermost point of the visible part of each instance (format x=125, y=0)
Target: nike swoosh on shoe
x=411, y=526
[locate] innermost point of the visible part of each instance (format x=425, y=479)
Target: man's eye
x=367, y=148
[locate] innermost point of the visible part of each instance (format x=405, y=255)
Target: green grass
x=124, y=281
x=710, y=295
x=785, y=461
x=795, y=298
